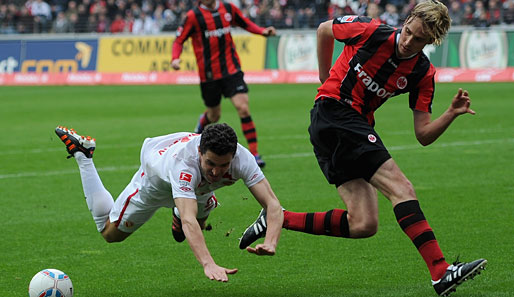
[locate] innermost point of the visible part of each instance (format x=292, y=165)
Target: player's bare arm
x=188, y=209
x=325, y=49
x=275, y=217
x=428, y=131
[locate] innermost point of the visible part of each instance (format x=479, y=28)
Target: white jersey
x=170, y=166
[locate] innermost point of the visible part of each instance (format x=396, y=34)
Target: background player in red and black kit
x=219, y=67
x=378, y=62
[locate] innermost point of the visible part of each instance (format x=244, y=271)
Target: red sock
x=331, y=223
x=250, y=134
x=413, y=223
x=204, y=121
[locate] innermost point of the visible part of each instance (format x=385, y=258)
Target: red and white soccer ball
x=50, y=283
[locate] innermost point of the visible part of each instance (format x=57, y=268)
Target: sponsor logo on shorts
x=348, y=101
x=372, y=138
x=129, y=224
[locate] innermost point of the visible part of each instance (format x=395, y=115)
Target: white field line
x=63, y=172
x=276, y=156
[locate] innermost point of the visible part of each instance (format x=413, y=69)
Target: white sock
x=98, y=199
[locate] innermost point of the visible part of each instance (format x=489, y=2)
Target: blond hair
x=435, y=18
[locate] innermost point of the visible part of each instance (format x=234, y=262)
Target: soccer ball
x=50, y=283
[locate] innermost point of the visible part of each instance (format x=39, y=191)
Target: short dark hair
x=220, y=139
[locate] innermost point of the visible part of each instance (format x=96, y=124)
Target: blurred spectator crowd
x=155, y=16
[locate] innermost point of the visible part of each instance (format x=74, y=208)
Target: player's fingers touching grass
x=218, y=273
x=261, y=250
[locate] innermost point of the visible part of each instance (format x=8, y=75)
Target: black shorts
x=346, y=146
x=228, y=86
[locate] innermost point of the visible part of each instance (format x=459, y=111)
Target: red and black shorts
x=346, y=146
x=228, y=86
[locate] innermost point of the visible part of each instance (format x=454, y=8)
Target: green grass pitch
x=464, y=182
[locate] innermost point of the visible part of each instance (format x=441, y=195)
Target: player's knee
x=111, y=234
x=109, y=238
x=243, y=111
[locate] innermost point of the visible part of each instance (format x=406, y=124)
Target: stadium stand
x=155, y=16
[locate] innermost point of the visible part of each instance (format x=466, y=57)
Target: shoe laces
x=456, y=262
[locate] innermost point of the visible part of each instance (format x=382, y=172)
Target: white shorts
x=131, y=211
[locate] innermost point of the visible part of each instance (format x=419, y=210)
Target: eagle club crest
x=228, y=17
x=401, y=82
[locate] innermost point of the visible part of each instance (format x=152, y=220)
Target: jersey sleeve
x=422, y=96
x=248, y=170
x=183, y=181
x=351, y=29
x=182, y=34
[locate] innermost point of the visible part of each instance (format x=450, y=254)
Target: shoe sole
x=470, y=274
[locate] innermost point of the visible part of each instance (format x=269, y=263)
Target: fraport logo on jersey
x=372, y=138
x=372, y=85
x=217, y=33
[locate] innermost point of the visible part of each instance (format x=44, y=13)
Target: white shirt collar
x=207, y=8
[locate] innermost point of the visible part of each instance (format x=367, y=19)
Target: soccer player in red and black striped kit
x=377, y=62
x=209, y=25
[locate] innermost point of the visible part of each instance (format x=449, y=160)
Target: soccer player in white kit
x=179, y=170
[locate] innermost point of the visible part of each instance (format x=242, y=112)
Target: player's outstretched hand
x=461, y=103
x=262, y=250
x=270, y=31
x=215, y=272
x=175, y=64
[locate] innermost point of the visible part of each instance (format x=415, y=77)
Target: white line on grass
x=62, y=172
x=60, y=149
x=276, y=156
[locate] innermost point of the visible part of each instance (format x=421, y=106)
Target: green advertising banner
x=473, y=49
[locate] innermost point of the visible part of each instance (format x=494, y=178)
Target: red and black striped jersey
x=368, y=72
x=214, y=48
